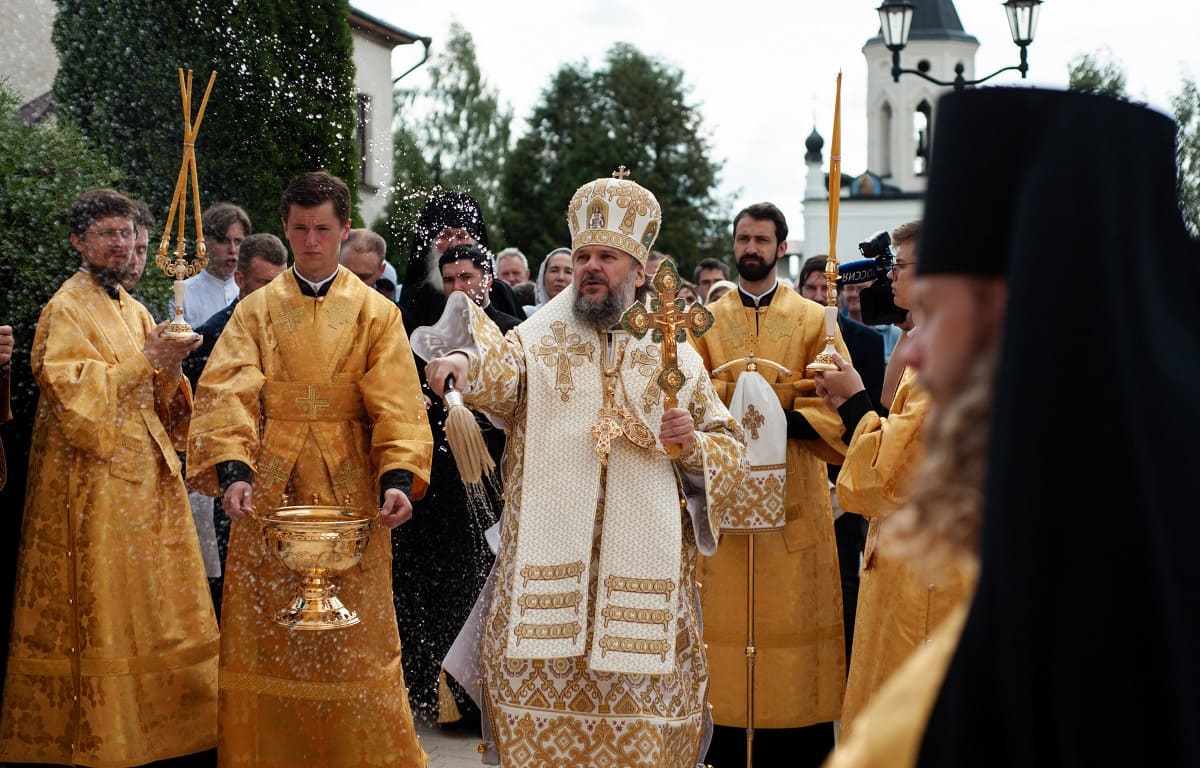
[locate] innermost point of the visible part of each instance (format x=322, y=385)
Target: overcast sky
x=763, y=74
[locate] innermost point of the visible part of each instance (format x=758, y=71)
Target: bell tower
x=900, y=114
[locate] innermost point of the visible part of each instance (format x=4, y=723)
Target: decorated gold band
x=312, y=691
x=93, y=667
x=614, y=239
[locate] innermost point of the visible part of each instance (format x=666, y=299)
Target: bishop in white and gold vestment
x=591, y=640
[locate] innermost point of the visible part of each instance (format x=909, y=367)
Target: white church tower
x=900, y=118
x=900, y=115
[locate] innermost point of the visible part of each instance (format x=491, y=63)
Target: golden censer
x=318, y=543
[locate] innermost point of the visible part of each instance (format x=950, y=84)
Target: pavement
x=450, y=746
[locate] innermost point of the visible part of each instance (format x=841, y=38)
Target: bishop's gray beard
x=606, y=312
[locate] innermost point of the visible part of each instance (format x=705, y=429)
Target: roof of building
x=380, y=30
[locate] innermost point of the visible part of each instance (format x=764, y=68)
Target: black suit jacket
x=865, y=345
x=210, y=329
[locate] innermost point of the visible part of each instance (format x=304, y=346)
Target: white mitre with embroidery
x=615, y=212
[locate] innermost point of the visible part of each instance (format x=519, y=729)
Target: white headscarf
x=540, y=296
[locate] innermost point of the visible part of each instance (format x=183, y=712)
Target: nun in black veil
x=1081, y=645
x=445, y=219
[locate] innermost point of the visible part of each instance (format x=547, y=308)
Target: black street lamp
x=895, y=18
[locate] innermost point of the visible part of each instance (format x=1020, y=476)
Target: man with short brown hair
x=311, y=393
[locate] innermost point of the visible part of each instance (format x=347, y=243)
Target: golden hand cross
x=670, y=323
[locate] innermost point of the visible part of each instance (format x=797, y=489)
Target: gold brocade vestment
x=800, y=667
x=113, y=657
x=559, y=710
x=332, y=382
x=890, y=728
x=898, y=605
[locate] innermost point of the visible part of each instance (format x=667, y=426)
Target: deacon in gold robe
x=113, y=657
x=591, y=640
x=311, y=392
x=900, y=602
x=800, y=664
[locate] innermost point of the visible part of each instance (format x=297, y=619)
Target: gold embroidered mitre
x=616, y=212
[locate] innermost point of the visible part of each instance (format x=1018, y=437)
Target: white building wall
x=373, y=77
x=27, y=57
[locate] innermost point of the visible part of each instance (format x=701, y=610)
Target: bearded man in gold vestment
x=591, y=651
x=800, y=664
x=113, y=658
x=311, y=391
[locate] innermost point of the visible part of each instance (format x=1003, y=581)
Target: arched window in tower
x=922, y=121
x=886, y=137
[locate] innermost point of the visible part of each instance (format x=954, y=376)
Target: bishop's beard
x=605, y=313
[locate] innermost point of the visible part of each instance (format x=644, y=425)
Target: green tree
x=1187, y=114
x=454, y=134
x=1097, y=72
x=634, y=111
x=1089, y=74
x=283, y=100
x=43, y=168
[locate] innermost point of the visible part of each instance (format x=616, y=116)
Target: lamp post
x=895, y=18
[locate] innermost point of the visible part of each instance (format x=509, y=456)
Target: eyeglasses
x=112, y=234
x=899, y=266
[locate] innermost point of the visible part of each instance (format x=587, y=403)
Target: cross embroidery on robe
x=290, y=315
x=312, y=403
x=563, y=351
x=348, y=477
x=271, y=473
x=752, y=420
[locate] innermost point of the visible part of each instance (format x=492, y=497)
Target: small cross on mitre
x=621, y=173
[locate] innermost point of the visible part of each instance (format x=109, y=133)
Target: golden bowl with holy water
x=318, y=543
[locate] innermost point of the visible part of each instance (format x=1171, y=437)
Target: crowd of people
x=896, y=557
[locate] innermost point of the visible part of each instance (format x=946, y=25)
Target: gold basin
x=317, y=543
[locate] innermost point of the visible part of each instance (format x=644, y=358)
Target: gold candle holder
x=824, y=360
x=180, y=267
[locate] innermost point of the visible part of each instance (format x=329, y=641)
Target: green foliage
x=283, y=100
x=43, y=168
x=1091, y=75
x=1097, y=73
x=634, y=112
x=453, y=135
x=1187, y=114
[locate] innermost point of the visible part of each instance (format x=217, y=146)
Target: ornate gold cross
x=621, y=173
x=605, y=429
x=670, y=323
x=563, y=351
x=312, y=403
